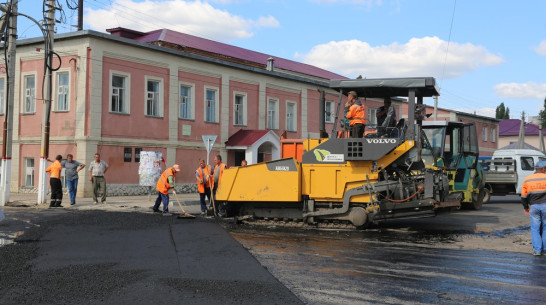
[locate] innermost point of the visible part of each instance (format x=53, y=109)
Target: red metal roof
x=245, y=137
x=185, y=40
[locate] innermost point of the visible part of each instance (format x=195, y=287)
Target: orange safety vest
x=163, y=184
x=533, y=189
x=54, y=169
x=200, y=174
x=356, y=114
x=222, y=167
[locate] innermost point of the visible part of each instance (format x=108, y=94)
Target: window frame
x=244, y=118
x=216, y=104
x=56, y=86
x=293, y=104
x=27, y=169
x=192, y=100
x=3, y=96
x=493, y=134
x=372, y=118
x=24, y=94
x=484, y=133
x=273, y=123
x=127, y=97
x=159, y=98
x=329, y=119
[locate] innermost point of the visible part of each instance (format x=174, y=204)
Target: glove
x=174, y=192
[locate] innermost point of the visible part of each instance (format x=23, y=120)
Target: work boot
x=58, y=205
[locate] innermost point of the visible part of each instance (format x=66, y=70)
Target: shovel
x=184, y=214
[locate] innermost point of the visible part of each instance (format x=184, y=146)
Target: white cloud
x=419, y=56
x=485, y=111
x=528, y=90
x=195, y=18
x=541, y=49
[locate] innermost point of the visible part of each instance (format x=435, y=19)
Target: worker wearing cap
x=356, y=114
x=164, y=184
x=54, y=171
x=533, y=198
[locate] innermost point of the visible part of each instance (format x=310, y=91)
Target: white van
x=508, y=168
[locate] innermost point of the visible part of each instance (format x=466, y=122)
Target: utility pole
x=49, y=23
x=8, y=120
x=80, y=15
x=521, y=139
x=541, y=136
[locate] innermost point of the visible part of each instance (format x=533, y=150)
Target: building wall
x=89, y=125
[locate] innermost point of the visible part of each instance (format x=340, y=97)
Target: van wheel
x=477, y=201
x=487, y=195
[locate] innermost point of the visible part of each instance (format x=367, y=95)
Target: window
x=120, y=93
x=211, y=105
x=484, y=134
x=62, y=91
x=186, y=104
x=493, y=134
x=527, y=163
x=29, y=172
x=2, y=94
x=329, y=112
x=272, y=114
x=29, y=87
x=291, y=115
x=239, y=109
x=153, y=98
x=372, y=119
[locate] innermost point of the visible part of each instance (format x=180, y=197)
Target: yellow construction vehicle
x=399, y=173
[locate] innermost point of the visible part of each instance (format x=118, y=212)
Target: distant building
x=129, y=91
x=509, y=133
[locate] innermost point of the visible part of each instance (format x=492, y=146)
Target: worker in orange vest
x=164, y=184
x=356, y=114
x=217, y=175
x=203, y=176
x=533, y=198
x=54, y=170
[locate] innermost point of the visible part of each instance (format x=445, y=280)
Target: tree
x=542, y=115
x=502, y=112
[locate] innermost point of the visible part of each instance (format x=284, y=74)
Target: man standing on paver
x=97, y=169
x=533, y=197
x=72, y=167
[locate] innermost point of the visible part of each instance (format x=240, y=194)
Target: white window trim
x=160, y=100
x=485, y=132
x=56, y=90
x=23, y=94
x=276, y=122
x=295, y=117
x=127, y=91
x=216, y=104
x=244, y=95
x=3, y=107
x=330, y=119
x=493, y=135
x=192, y=100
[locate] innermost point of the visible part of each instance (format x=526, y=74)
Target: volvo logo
x=381, y=141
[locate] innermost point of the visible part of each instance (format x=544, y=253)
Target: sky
x=482, y=53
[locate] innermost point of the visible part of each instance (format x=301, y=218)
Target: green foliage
x=502, y=112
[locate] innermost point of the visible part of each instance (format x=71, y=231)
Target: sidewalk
x=142, y=203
